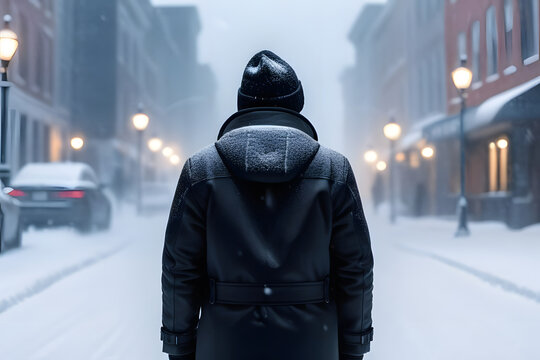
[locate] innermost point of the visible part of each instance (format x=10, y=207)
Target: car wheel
x=17, y=242
x=106, y=224
x=85, y=225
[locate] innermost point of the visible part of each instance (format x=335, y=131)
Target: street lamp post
x=155, y=144
x=392, y=131
x=140, y=122
x=462, y=78
x=9, y=43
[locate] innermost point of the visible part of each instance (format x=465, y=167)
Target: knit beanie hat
x=269, y=81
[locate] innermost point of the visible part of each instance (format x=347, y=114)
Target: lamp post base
x=463, y=229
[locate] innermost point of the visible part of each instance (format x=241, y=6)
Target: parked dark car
x=54, y=194
x=10, y=226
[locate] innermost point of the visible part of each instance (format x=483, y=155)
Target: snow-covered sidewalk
x=438, y=297
x=493, y=253
x=50, y=255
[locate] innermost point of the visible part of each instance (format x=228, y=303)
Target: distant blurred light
x=492, y=145
x=174, y=159
x=428, y=152
x=77, y=143
x=155, y=144
x=400, y=157
x=9, y=41
x=167, y=151
x=381, y=165
x=392, y=131
x=140, y=121
x=462, y=78
x=502, y=143
x=370, y=156
x=414, y=159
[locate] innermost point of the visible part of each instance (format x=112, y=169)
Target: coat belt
x=270, y=293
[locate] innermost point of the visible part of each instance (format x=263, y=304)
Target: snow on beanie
x=269, y=81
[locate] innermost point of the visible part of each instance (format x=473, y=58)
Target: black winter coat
x=268, y=243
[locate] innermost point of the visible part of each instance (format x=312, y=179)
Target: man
x=266, y=238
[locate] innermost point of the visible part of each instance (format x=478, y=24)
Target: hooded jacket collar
x=268, y=116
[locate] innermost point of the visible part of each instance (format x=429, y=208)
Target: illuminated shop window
x=498, y=165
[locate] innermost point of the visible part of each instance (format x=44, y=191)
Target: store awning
x=415, y=134
x=520, y=103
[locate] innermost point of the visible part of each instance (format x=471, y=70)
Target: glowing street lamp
x=462, y=78
x=9, y=43
x=77, y=143
x=174, y=159
x=155, y=144
x=167, y=151
x=427, y=152
x=370, y=156
x=392, y=131
x=381, y=165
x=140, y=122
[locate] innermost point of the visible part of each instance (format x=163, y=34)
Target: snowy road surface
x=65, y=296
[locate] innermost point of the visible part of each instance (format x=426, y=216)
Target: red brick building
x=38, y=118
x=500, y=39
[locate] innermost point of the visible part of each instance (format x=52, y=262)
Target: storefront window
x=498, y=165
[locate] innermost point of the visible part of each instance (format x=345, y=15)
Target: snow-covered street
x=67, y=296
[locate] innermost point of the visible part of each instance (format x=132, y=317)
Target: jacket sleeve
x=352, y=269
x=183, y=270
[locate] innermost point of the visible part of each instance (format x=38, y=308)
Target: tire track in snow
x=493, y=280
x=45, y=282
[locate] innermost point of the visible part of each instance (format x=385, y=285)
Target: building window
x=47, y=66
x=475, y=44
x=529, y=30
x=498, y=165
x=36, y=141
x=462, y=47
x=22, y=140
x=492, y=41
x=508, y=27
x=46, y=137
x=23, y=52
x=41, y=59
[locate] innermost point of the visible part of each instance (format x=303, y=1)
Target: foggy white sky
x=309, y=34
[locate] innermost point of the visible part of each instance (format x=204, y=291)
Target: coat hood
x=266, y=153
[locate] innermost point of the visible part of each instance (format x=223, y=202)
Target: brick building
x=38, y=118
x=500, y=39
